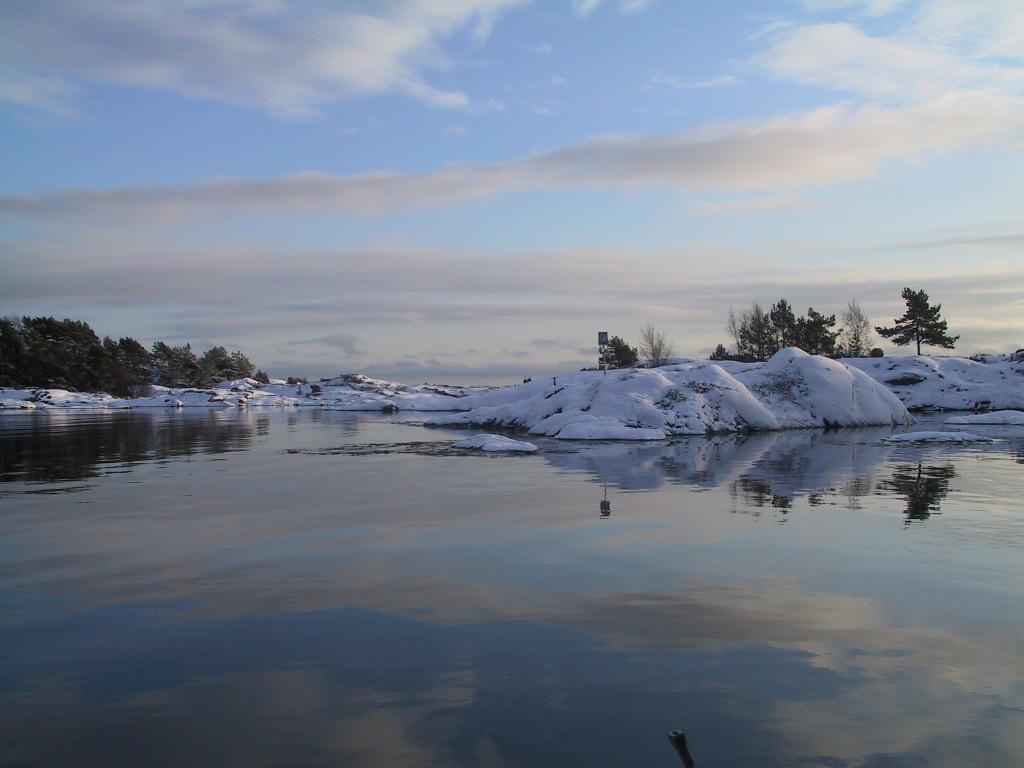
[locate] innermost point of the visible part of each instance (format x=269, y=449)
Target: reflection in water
x=923, y=487
x=606, y=506
x=72, y=446
x=761, y=470
x=242, y=605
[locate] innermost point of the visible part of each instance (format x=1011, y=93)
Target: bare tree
x=733, y=327
x=654, y=346
x=857, y=338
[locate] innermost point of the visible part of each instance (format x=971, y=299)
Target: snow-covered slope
x=950, y=383
x=791, y=390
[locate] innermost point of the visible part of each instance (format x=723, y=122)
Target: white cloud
x=867, y=7
x=42, y=93
x=823, y=146
x=288, y=59
x=843, y=57
x=584, y=8
x=661, y=79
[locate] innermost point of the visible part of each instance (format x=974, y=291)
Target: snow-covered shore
x=349, y=392
x=989, y=383
x=791, y=390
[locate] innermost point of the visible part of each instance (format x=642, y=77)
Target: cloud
x=997, y=241
x=867, y=7
x=660, y=79
x=41, y=93
x=291, y=60
x=343, y=341
x=824, y=146
x=545, y=343
x=748, y=205
x=584, y=8
x=843, y=57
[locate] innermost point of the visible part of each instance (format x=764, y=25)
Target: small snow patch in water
x=495, y=443
x=993, y=418
x=937, y=437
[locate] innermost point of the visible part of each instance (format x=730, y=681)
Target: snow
x=32, y=399
x=495, y=443
x=350, y=392
x=688, y=397
x=950, y=383
x=937, y=437
x=791, y=390
x=992, y=418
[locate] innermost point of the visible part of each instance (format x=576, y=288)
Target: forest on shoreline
x=67, y=354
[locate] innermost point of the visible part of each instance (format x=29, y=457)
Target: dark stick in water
x=678, y=740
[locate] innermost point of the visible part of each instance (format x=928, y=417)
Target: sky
x=469, y=190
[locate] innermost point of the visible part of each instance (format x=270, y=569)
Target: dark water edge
x=307, y=588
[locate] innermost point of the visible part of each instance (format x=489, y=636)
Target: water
x=307, y=588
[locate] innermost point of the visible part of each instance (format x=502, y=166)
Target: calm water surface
x=308, y=588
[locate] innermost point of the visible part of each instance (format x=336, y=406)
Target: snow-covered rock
x=950, y=383
x=791, y=390
x=495, y=443
x=937, y=437
x=992, y=418
x=16, y=404
x=29, y=399
x=349, y=392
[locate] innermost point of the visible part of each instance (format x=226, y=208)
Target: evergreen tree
x=126, y=367
x=219, y=365
x=921, y=323
x=241, y=366
x=61, y=353
x=135, y=359
x=261, y=376
x=757, y=333
x=619, y=354
x=785, y=325
x=176, y=366
x=12, y=352
x=815, y=333
x=216, y=365
x=721, y=353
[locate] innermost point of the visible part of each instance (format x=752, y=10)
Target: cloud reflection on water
x=499, y=576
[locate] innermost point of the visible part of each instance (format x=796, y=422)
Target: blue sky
x=470, y=189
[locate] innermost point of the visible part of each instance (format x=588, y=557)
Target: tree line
x=757, y=334
x=67, y=354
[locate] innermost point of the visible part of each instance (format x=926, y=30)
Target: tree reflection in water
x=66, y=446
x=923, y=487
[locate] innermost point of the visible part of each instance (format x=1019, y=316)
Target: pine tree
x=784, y=322
x=921, y=323
x=815, y=333
x=12, y=352
x=721, y=353
x=757, y=338
x=619, y=354
x=176, y=366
